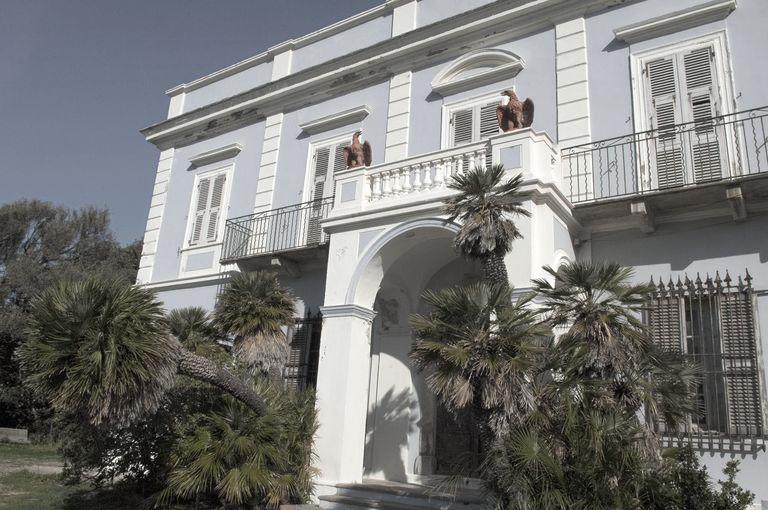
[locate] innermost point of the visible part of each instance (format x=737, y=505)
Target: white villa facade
x=649, y=148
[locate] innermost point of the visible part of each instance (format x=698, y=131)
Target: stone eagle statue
x=358, y=154
x=514, y=114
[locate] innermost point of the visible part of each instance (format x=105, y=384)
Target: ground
x=29, y=480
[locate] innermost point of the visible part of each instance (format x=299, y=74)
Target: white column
x=573, y=126
x=399, y=112
x=342, y=392
x=282, y=57
x=155, y=217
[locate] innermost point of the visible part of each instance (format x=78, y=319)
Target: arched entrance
x=408, y=436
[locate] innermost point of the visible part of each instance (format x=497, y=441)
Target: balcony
x=294, y=229
x=695, y=160
x=419, y=184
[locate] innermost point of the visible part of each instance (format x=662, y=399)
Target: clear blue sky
x=79, y=78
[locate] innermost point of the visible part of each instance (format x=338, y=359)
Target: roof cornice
x=481, y=27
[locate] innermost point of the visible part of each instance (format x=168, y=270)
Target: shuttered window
x=712, y=324
x=208, y=210
x=682, y=97
x=323, y=169
x=473, y=123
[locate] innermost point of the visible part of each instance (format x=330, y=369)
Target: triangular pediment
x=477, y=68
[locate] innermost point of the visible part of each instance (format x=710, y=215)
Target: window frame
x=228, y=170
x=313, y=146
x=449, y=108
x=723, y=70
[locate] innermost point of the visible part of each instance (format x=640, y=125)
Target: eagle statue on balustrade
x=514, y=114
x=358, y=154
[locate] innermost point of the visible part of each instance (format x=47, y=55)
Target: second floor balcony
x=293, y=229
x=673, y=158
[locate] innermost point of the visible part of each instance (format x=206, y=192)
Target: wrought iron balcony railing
x=279, y=230
x=714, y=149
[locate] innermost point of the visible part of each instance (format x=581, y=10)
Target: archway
x=402, y=432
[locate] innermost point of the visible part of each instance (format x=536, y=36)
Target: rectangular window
x=473, y=123
x=682, y=96
x=712, y=324
x=209, y=208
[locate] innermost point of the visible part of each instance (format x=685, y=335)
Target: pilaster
x=155, y=217
x=573, y=127
x=342, y=392
x=399, y=111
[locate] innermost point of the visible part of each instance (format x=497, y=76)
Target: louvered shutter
x=740, y=365
x=215, y=207
x=462, y=123
x=666, y=328
x=661, y=76
x=201, y=208
x=489, y=126
x=702, y=106
x=321, y=163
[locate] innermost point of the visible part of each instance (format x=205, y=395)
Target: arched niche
x=477, y=68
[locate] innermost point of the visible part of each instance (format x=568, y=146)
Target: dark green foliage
x=40, y=244
x=253, y=308
x=231, y=456
x=484, y=205
x=101, y=348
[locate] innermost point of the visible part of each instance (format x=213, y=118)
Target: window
x=712, y=324
x=472, y=123
x=208, y=209
x=682, y=93
x=326, y=161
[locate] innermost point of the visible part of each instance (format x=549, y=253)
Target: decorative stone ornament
x=514, y=114
x=358, y=154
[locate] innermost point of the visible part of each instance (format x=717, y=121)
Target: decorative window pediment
x=477, y=68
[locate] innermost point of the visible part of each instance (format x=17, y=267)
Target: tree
x=478, y=349
x=253, y=308
x=40, y=244
x=103, y=348
x=485, y=207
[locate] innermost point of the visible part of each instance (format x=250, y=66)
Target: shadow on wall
x=682, y=244
x=387, y=438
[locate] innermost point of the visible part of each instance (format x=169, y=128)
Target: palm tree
x=104, y=348
x=478, y=349
x=230, y=455
x=254, y=309
x=606, y=353
x=195, y=330
x=485, y=207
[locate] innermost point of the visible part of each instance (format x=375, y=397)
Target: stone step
x=400, y=496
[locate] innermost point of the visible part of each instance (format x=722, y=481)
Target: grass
x=28, y=482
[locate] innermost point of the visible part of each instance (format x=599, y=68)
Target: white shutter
x=321, y=160
x=702, y=106
x=661, y=76
x=462, y=125
x=201, y=207
x=215, y=207
x=489, y=123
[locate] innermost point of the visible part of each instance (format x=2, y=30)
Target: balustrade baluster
x=406, y=175
x=387, y=191
x=416, y=177
x=397, y=187
x=367, y=188
x=376, y=186
x=440, y=172
x=427, y=175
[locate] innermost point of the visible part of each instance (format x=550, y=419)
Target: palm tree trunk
x=495, y=270
x=205, y=370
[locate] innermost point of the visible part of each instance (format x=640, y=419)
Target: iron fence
x=288, y=228
x=673, y=156
x=711, y=323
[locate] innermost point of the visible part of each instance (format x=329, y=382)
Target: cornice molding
x=481, y=27
x=347, y=311
x=290, y=44
x=495, y=64
x=328, y=122
x=676, y=21
x=216, y=155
